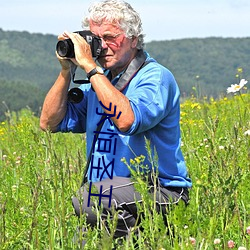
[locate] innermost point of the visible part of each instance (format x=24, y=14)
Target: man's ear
x=134, y=42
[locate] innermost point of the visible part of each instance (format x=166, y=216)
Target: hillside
x=211, y=63
x=28, y=57
x=28, y=66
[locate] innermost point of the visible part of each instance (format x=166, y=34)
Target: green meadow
x=40, y=172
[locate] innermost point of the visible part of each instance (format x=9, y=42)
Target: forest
x=202, y=67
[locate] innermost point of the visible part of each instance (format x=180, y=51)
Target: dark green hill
x=28, y=57
x=28, y=66
x=210, y=63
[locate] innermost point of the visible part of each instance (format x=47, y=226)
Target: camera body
x=65, y=48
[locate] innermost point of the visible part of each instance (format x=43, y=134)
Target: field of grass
x=40, y=172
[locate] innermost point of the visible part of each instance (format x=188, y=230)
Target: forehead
x=104, y=27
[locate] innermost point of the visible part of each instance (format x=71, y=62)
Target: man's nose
x=104, y=44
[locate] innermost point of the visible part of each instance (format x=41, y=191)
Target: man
x=139, y=101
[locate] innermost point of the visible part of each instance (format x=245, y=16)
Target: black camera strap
x=136, y=64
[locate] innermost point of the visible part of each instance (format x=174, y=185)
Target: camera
x=65, y=48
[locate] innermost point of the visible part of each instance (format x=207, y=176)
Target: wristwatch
x=96, y=70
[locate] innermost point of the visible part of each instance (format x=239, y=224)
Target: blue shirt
x=154, y=97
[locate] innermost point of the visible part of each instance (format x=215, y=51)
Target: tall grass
x=40, y=172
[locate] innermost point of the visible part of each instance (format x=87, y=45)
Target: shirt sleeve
x=152, y=98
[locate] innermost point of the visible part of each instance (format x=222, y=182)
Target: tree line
x=202, y=67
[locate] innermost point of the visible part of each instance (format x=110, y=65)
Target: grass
x=40, y=172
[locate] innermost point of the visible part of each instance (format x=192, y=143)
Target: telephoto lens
x=65, y=48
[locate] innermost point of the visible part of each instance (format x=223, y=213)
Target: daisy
x=237, y=87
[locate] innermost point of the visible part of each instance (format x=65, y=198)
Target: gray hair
x=120, y=13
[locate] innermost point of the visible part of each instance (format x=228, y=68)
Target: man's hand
x=66, y=63
x=83, y=54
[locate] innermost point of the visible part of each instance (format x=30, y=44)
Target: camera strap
x=136, y=64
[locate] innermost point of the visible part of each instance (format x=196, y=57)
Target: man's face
x=118, y=50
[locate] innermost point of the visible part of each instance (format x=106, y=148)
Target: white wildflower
x=217, y=241
x=242, y=248
x=236, y=87
x=247, y=133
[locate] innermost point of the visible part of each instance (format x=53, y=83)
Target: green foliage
x=37, y=181
x=14, y=95
x=40, y=172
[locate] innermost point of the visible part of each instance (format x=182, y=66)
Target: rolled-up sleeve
x=151, y=99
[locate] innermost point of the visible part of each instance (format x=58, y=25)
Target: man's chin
x=105, y=63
